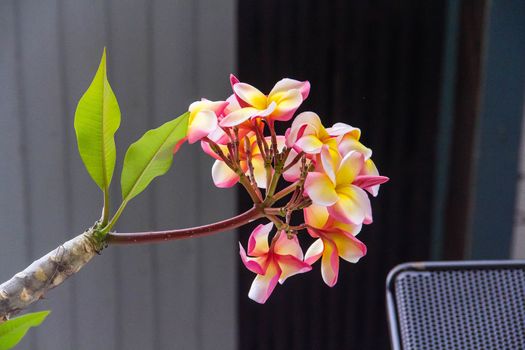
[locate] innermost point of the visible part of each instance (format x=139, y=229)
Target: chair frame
x=428, y=266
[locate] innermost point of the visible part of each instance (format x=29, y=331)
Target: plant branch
x=46, y=273
x=275, y=211
x=170, y=235
x=276, y=221
x=51, y=270
x=284, y=192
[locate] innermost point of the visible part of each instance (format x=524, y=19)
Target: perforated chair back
x=457, y=305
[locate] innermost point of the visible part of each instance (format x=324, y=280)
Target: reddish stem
x=171, y=235
x=261, y=141
x=294, y=161
x=274, y=141
x=284, y=192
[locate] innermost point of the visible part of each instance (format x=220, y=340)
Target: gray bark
x=44, y=274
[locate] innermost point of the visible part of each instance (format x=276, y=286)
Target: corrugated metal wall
x=162, y=55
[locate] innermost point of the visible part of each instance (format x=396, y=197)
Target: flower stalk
x=171, y=235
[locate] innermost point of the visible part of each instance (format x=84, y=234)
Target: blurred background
x=437, y=88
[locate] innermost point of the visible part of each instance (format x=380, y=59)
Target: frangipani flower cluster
x=328, y=171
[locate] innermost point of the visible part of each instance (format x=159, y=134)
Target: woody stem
x=170, y=235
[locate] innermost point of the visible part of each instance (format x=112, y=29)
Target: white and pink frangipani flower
x=349, y=142
x=272, y=263
x=334, y=187
x=334, y=240
x=308, y=134
x=203, y=119
x=280, y=104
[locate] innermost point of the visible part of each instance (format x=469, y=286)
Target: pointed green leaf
x=12, y=331
x=97, y=118
x=151, y=156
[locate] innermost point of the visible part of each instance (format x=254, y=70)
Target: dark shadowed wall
x=162, y=56
x=375, y=65
x=437, y=88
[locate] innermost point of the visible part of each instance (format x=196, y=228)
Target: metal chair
x=457, y=305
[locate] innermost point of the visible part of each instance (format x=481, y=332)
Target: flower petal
x=294, y=172
x=263, y=285
x=320, y=189
x=219, y=136
x=349, y=228
x=256, y=265
x=370, y=182
x=239, y=116
x=292, y=135
x=223, y=176
x=316, y=215
x=330, y=263
x=233, y=104
x=309, y=144
x=268, y=111
x=250, y=95
x=290, y=84
x=352, y=207
x=286, y=104
x=339, y=129
x=207, y=149
x=348, y=247
x=179, y=144
x=348, y=144
x=349, y=167
x=330, y=160
x=370, y=169
x=314, y=252
x=258, y=241
x=259, y=171
x=291, y=266
x=286, y=246
x=304, y=120
x=233, y=80
x=204, y=122
x=310, y=119
x=216, y=107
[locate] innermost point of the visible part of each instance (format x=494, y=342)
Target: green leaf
x=12, y=331
x=97, y=118
x=151, y=156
